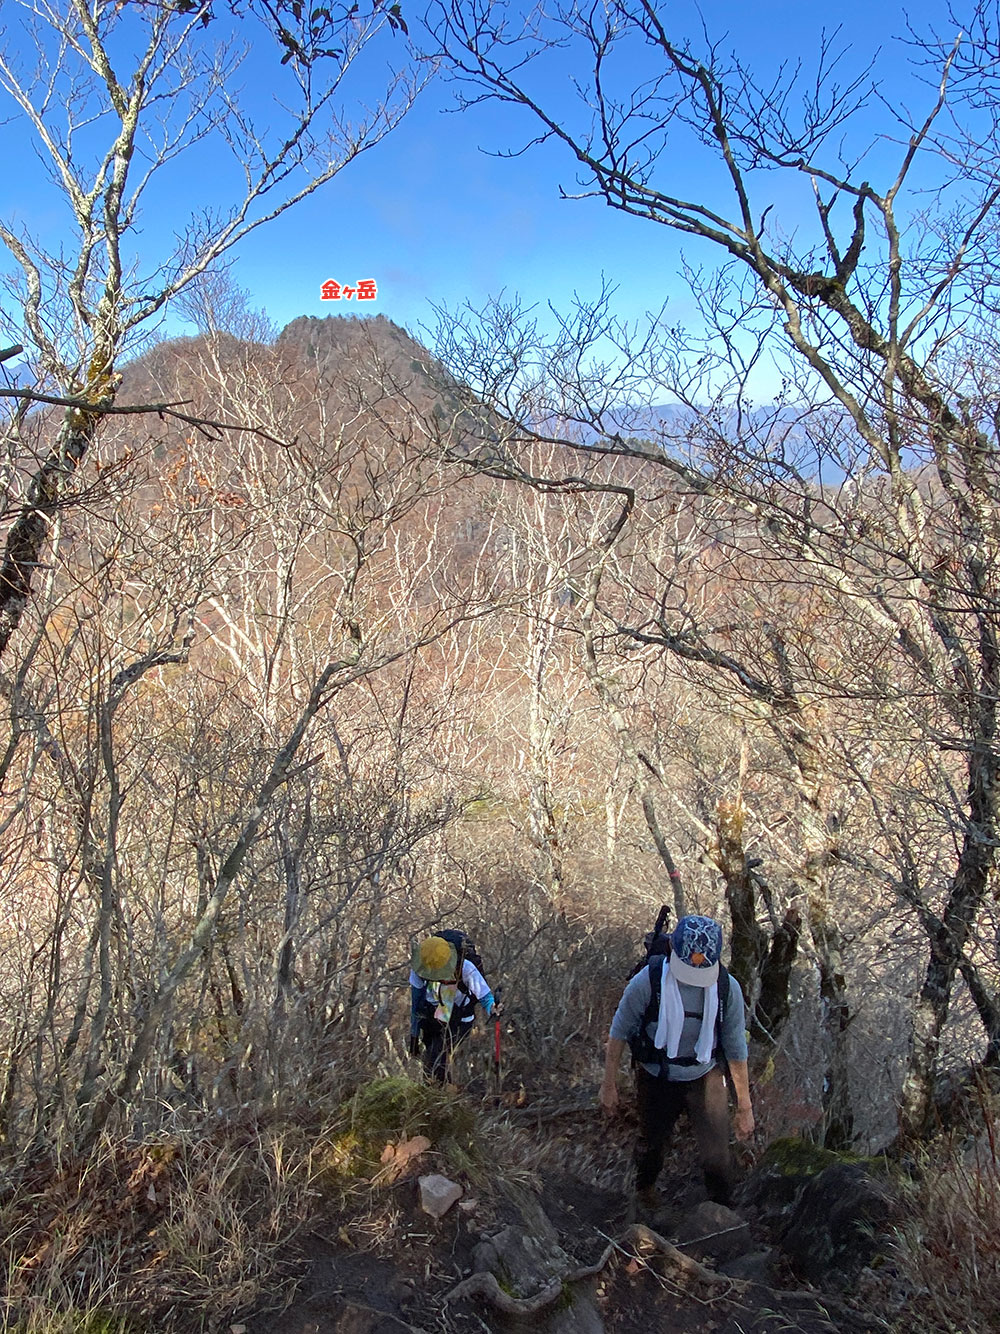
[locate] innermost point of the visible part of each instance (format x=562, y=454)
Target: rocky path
x=568, y=1258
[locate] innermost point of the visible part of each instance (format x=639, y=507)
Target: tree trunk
x=28, y=534
x=947, y=944
x=748, y=944
x=773, y=1005
x=543, y=824
x=837, y=1126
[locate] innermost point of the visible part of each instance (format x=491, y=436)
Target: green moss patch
x=390, y=1110
x=798, y=1157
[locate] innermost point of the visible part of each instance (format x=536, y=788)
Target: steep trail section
x=555, y=1252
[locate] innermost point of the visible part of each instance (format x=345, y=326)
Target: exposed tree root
x=485, y=1285
x=638, y=1236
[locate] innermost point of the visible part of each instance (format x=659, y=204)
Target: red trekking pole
x=496, y=1045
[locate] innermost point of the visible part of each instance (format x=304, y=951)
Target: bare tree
x=232, y=749
x=114, y=97
x=116, y=100
x=875, y=317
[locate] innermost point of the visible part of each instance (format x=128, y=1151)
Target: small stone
x=485, y=1259
x=438, y=1194
x=757, y=1267
x=713, y=1232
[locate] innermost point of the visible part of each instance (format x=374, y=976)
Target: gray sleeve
x=734, y=1027
x=631, y=1007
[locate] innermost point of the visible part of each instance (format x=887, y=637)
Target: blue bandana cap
x=695, y=951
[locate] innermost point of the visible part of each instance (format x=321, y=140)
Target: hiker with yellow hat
x=445, y=986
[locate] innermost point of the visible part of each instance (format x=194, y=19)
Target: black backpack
x=657, y=947
x=656, y=943
x=466, y=949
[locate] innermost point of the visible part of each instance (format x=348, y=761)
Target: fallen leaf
x=412, y=1148
x=396, y=1158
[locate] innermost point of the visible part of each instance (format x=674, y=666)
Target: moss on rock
x=793, y=1156
x=394, y=1109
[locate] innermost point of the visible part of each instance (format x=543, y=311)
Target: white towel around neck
x=671, y=1018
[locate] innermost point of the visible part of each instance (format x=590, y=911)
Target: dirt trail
x=567, y=1258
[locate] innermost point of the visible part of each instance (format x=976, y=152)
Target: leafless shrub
x=944, y=1274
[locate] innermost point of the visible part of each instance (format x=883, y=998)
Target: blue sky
x=433, y=218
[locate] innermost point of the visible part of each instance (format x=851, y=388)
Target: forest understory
x=224, y=849
x=316, y=640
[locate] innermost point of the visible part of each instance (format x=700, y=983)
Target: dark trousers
x=706, y=1101
x=439, y=1041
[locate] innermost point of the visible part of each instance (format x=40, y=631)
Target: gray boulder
x=831, y=1214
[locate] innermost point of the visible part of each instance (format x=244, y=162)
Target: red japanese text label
x=365, y=290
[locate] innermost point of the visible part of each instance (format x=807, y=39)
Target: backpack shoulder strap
x=655, y=968
x=656, y=974
x=641, y=1045
x=720, y=1017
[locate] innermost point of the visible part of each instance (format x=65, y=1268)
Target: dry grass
x=188, y=1231
x=180, y=1233
x=93, y=1321
x=945, y=1275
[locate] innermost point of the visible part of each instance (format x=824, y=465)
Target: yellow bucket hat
x=434, y=959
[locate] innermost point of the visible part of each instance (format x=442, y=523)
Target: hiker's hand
x=607, y=1096
x=744, y=1122
x=414, y=1044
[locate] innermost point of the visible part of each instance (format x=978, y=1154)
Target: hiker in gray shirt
x=686, y=1026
